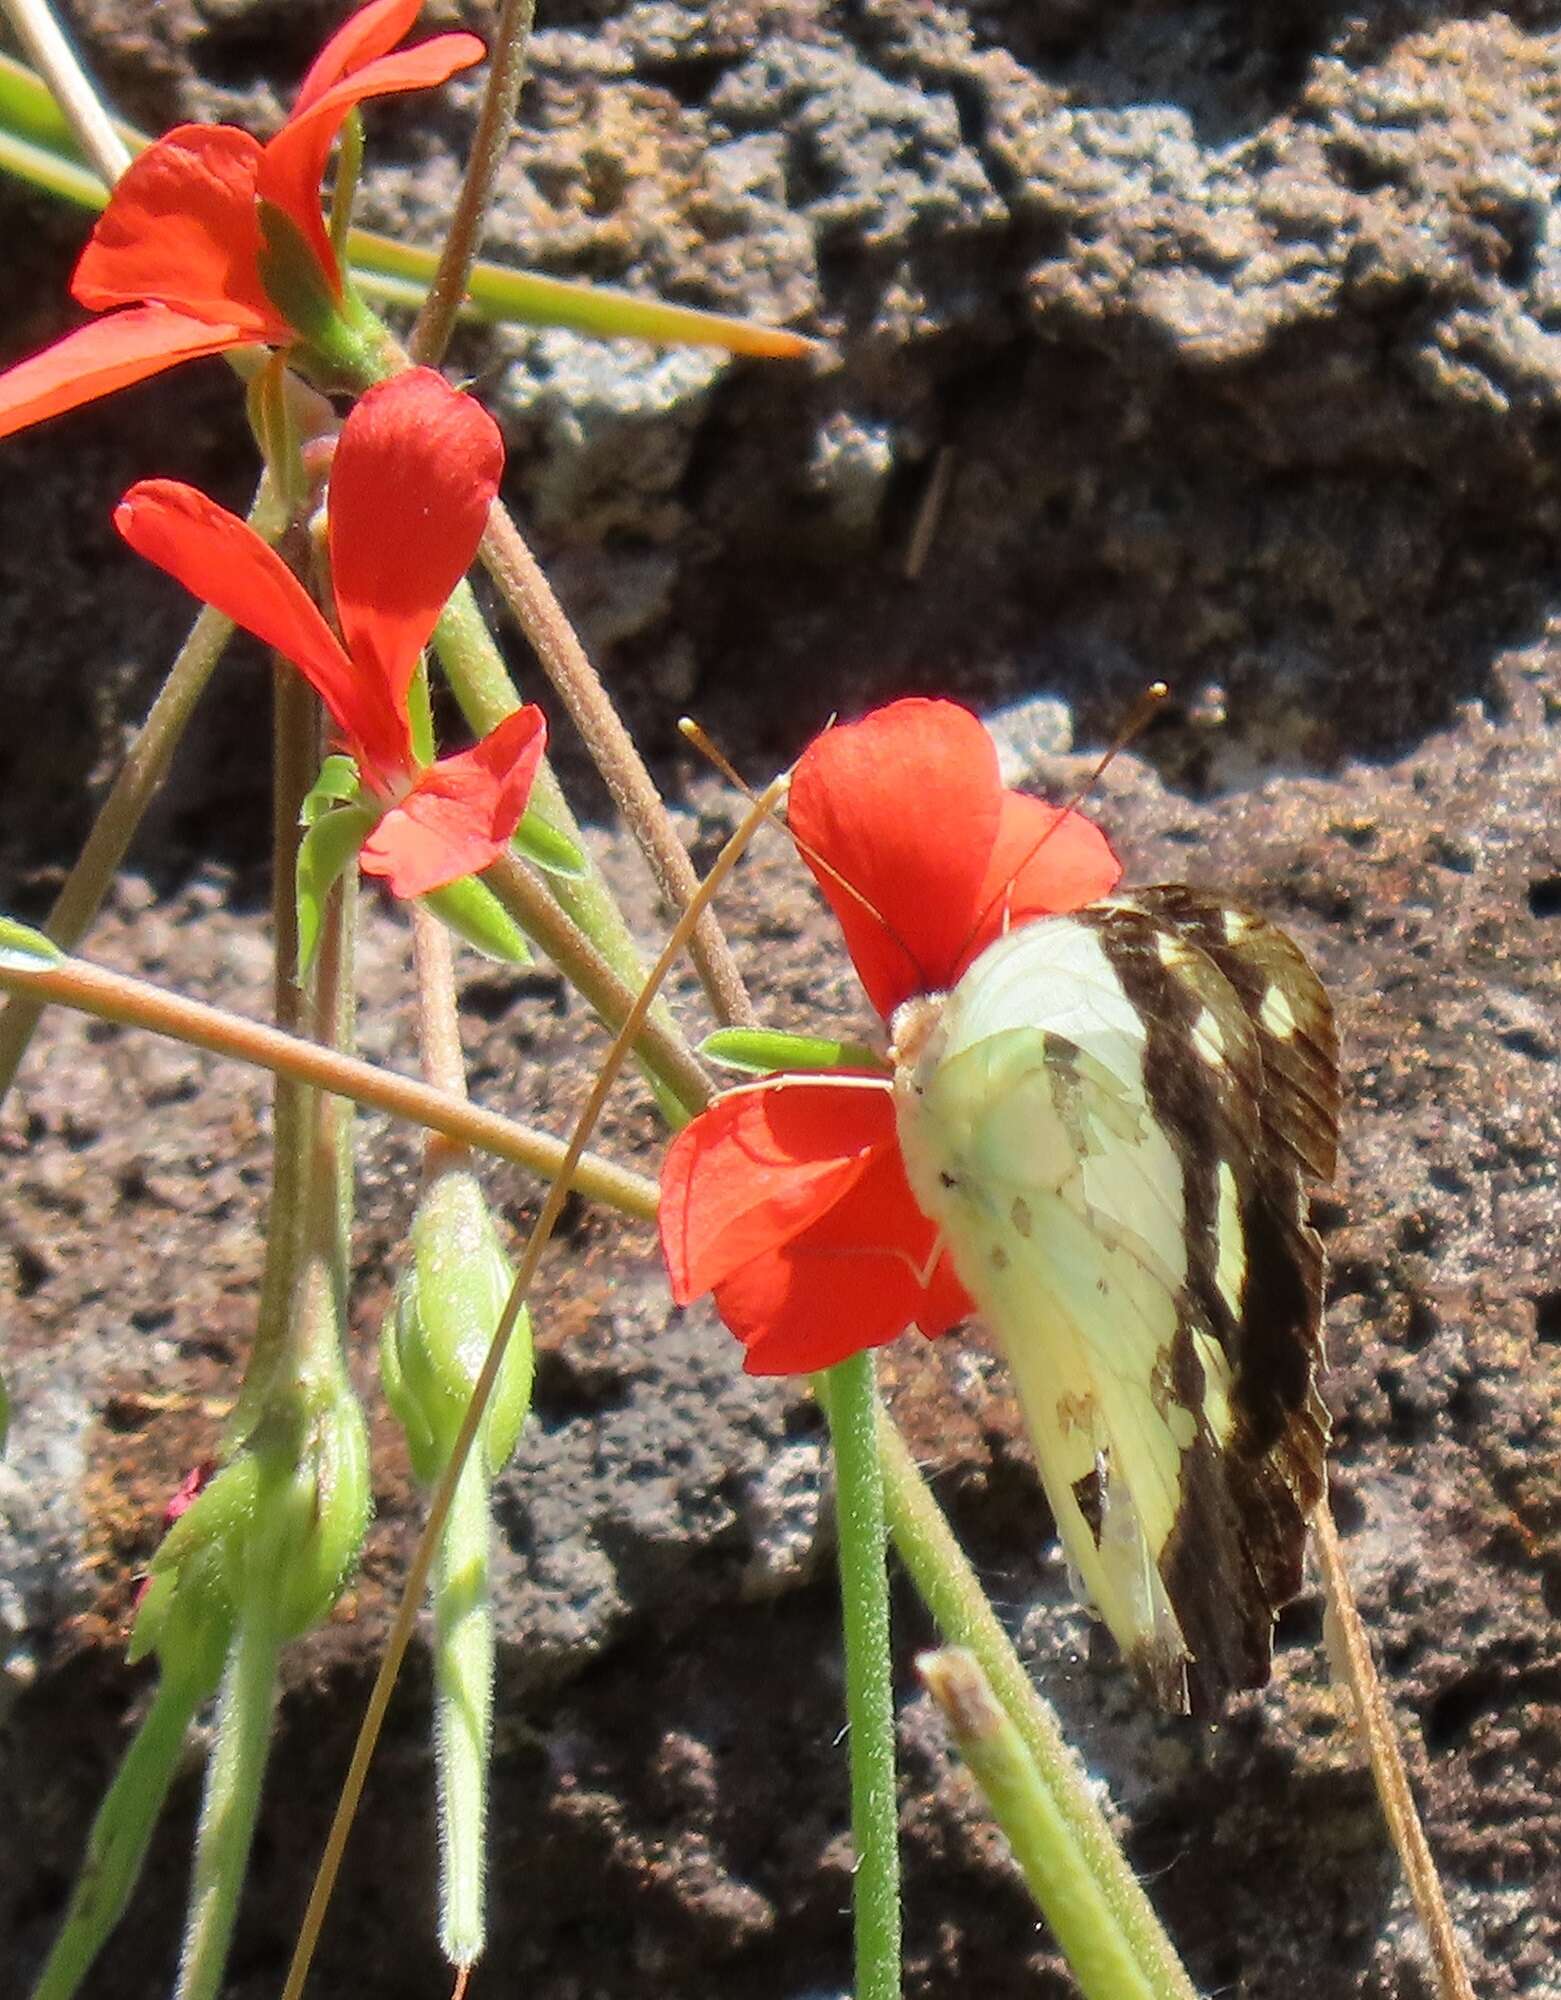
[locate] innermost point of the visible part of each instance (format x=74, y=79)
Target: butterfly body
x=1112, y=1117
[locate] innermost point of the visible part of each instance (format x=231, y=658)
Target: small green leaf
x=337, y=784
x=760, y=1052
x=324, y=853
x=548, y=849
x=473, y=912
x=23, y=949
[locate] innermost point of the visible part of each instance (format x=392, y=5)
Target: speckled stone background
x=1230, y=335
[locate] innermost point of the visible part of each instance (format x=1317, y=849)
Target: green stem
x=665, y=1056
x=117, y=1843
x=949, y=1588
x=485, y=693
x=1027, y=1810
x=232, y=1798
x=519, y=578
x=463, y=1697
x=295, y=752
x=145, y=766
x=852, y=1406
x=113, y=996
x=447, y=294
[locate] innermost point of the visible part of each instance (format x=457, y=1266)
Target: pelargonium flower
x=414, y=474
x=180, y=257
x=787, y=1199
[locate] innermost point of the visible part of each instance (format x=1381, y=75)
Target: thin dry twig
x=1350, y=1650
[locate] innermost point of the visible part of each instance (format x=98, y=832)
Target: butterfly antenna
x=1141, y=714
x=693, y=733
x=1139, y=717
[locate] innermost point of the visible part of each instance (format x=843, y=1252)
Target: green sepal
x=761, y=1052
x=470, y=909
x=324, y=855
x=314, y=1508
x=337, y=783
x=548, y=849
x=187, y=1610
x=339, y=343
x=435, y=1336
x=23, y=949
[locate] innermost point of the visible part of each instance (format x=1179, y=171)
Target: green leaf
x=324, y=853
x=760, y=1052
x=22, y=949
x=548, y=849
x=473, y=912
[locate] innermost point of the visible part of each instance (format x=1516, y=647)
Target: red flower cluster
x=788, y=1200
x=178, y=256
x=414, y=474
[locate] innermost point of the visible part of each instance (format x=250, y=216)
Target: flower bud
x=437, y=1332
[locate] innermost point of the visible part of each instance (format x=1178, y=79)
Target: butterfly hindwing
x=1112, y=1119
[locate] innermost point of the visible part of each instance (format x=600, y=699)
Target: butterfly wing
x=1115, y=1147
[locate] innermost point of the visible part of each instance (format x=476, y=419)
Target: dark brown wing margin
x=1269, y=1111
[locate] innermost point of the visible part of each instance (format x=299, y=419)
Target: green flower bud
x=437, y=1332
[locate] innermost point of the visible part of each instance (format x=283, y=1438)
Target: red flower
x=414, y=475
x=788, y=1200
x=181, y=244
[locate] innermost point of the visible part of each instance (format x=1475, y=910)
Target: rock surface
x=1229, y=336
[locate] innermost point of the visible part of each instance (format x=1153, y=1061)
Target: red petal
x=904, y=806
x=459, y=815
x=759, y=1166
x=214, y=555
x=294, y=162
x=372, y=31
x=414, y=475
x=108, y=354
x=850, y=1281
x=1044, y=861
x=181, y=230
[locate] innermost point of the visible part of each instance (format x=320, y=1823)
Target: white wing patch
x=1029, y=1101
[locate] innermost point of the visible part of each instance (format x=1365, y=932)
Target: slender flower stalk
x=529, y=595
x=463, y=234
x=1023, y=1804
x=851, y=1403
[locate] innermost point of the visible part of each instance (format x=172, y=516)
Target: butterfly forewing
x=1113, y=1118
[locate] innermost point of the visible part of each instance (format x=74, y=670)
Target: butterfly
x=1113, y=1117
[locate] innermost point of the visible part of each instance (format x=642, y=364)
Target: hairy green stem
x=120, y=1832
x=485, y=693
x=463, y=1699
x=145, y=766
x=951, y=1591
x=666, y=1057
x=506, y=73
x=232, y=1799
x=528, y=593
x=851, y=1403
